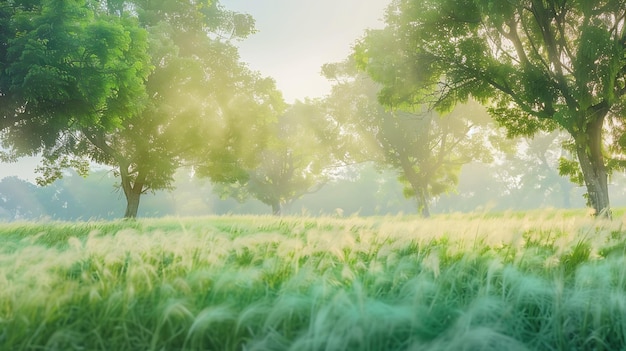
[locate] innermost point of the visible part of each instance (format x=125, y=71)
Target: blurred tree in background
x=425, y=148
x=297, y=160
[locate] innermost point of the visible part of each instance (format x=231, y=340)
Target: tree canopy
x=66, y=65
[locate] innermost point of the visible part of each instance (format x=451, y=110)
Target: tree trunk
x=132, y=204
x=422, y=203
x=276, y=208
x=132, y=192
x=591, y=159
x=419, y=188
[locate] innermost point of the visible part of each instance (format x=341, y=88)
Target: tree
x=426, y=149
x=295, y=162
x=67, y=67
x=195, y=92
x=538, y=65
x=205, y=107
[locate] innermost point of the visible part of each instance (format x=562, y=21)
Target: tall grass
x=544, y=281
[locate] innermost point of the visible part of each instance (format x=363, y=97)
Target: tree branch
x=544, y=23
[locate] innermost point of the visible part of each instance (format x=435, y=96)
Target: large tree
x=425, y=148
x=538, y=64
x=201, y=102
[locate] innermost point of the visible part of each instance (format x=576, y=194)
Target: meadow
x=542, y=280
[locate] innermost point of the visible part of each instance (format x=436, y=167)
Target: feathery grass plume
x=507, y=281
x=208, y=328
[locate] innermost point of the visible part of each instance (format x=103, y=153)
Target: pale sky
x=294, y=39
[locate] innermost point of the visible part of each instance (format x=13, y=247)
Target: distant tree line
x=366, y=190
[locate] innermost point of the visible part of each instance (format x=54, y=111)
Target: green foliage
x=571, y=168
x=227, y=24
x=579, y=255
x=67, y=66
x=524, y=282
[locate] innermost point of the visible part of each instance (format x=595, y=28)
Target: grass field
x=544, y=280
